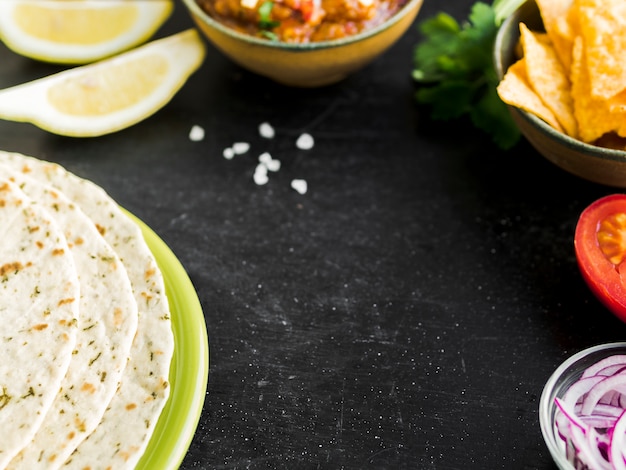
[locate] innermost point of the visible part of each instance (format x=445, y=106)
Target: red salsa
x=301, y=21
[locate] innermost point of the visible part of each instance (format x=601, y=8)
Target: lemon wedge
x=79, y=31
x=109, y=95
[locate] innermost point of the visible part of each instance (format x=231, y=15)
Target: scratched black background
x=404, y=313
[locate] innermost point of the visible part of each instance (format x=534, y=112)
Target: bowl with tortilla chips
x=562, y=75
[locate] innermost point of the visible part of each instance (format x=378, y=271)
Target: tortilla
x=602, y=24
x=106, y=327
x=39, y=309
x=122, y=435
x=554, y=14
x=515, y=90
x=548, y=78
x=592, y=114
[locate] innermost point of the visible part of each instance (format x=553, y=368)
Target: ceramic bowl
x=598, y=164
x=556, y=386
x=305, y=65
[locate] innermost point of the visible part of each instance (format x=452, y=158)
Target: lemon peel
x=109, y=95
x=79, y=31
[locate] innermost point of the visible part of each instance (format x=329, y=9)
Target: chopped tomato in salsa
x=301, y=21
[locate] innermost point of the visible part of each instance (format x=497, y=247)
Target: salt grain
x=260, y=174
x=228, y=153
x=305, y=142
x=241, y=147
x=196, y=133
x=265, y=157
x=266, y=130
x=266, y=162
x=299, y=185
x=273, y=165
x=270, y=163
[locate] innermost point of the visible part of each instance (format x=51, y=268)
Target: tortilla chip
x=602, y=24
x=617, y=104
x=548, y=78
x=555, y=21
x=569, y=25
x=593, y=114
x=515, y=90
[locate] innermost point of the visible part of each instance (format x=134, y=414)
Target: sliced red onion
x=618, y=441
x=591, y=417
x=619, y=359
x=610, y=388
x=579, y=388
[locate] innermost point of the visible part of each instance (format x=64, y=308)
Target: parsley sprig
x=454, y=65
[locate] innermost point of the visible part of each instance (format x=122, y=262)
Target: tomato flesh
x=600, y=245
x=612, y=237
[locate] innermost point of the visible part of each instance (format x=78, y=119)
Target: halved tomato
x=600, y=245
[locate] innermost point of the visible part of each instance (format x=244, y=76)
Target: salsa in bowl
x=301, y=61
x=301, y=21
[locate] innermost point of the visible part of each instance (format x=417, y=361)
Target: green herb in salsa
x=266, y=24
x=301, y=21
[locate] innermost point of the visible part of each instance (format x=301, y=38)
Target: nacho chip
x=593, y=114
x=569, y=25
x=602, y=24
x=548, y=78
x=555, y=21
x=586, y=95
x=515, y=90
x=617, y=104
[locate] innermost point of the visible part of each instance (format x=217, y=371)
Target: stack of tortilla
x=85, y=331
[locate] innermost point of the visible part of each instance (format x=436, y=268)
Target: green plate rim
x=189, y=370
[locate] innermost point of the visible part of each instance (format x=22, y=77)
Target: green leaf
x=453, y=67
x=442, y=33
x=449, y=99
x=491, y=115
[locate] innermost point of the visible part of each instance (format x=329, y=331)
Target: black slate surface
x=404, y=313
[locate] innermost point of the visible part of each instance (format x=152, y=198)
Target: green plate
x=190, y=364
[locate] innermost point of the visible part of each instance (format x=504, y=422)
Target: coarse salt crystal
x=241, y=147
x=260, y=179
x=299, y=185
x=261, y=169
x=305, y=141
x=270, y=163
x=266, y=130
x=196, y=133
x=265, y=157
x=228, y=153
x=260, y=174
x=273, y=165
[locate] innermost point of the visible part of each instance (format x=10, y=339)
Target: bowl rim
x=547, y=408
x=526, y=8
x=196, y=10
